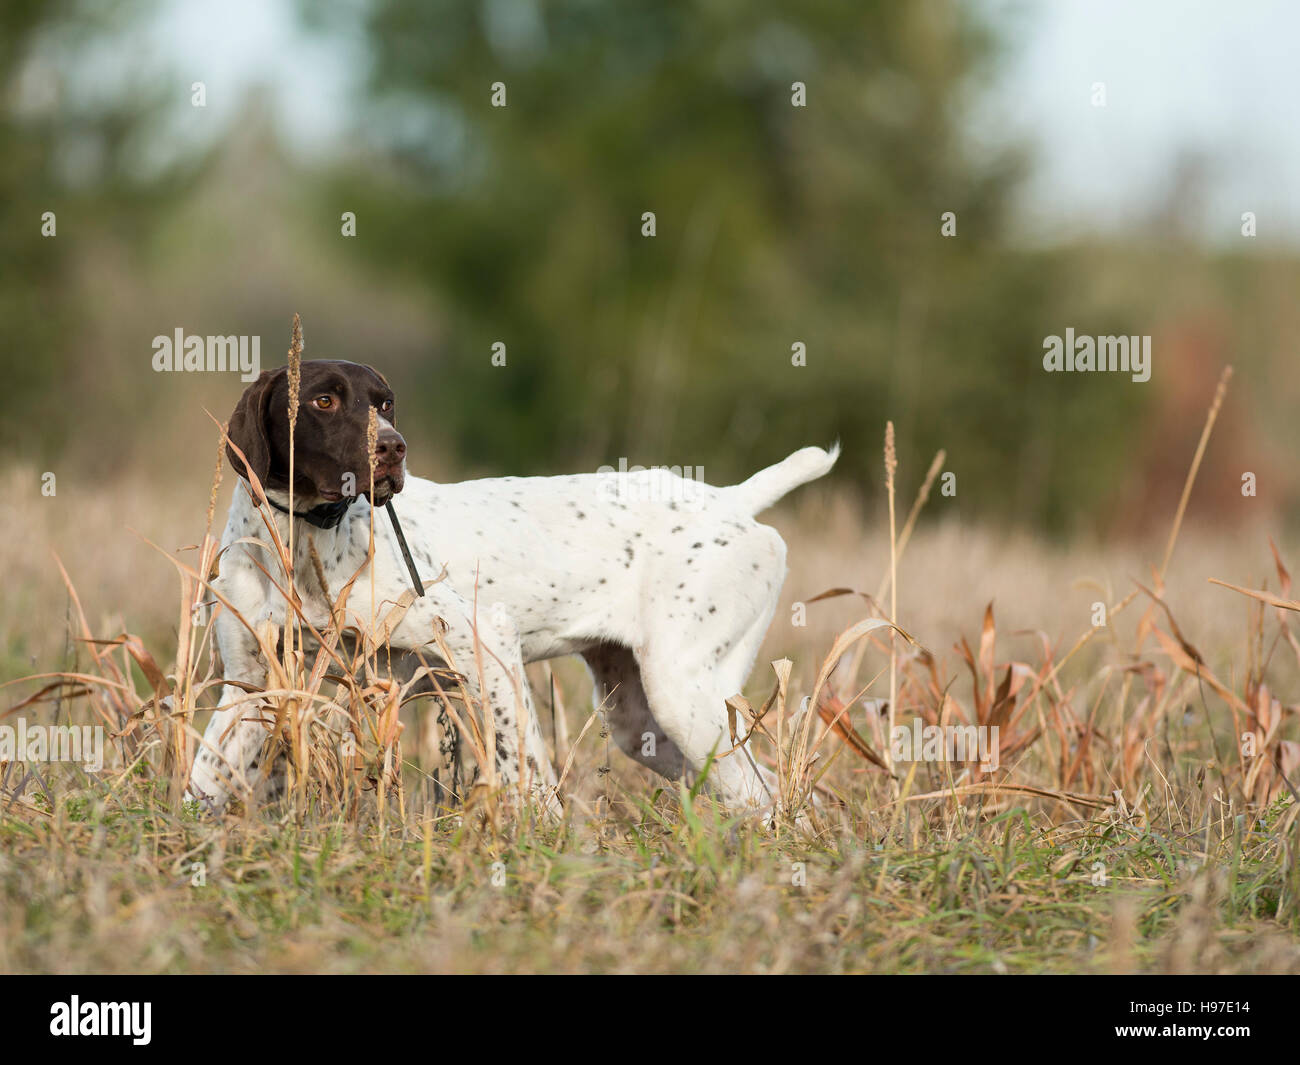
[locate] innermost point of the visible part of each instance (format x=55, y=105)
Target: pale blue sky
x=1219, y=79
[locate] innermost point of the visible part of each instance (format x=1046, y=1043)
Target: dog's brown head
x=334, y=401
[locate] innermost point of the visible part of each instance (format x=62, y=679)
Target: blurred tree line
x=776, y=225
x=69, y=161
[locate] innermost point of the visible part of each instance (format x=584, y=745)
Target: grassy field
x=1141, y=817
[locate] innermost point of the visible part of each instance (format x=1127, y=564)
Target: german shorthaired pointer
x=664, y=585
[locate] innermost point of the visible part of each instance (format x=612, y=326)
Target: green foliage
x=103, y=878
x=70, y=148
x=775, y=224
x=521, y=224
x=30, y=273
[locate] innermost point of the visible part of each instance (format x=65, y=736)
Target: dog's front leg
x=486, y=650
x=227, y=763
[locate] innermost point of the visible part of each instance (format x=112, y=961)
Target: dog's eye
x=386, y=406
x=323, y=402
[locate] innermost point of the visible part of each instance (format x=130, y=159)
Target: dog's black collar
x=328, y=515
x=323, y=516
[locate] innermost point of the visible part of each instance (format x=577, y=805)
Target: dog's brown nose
x=390, y=448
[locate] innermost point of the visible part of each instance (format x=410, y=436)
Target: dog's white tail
x=767, y=486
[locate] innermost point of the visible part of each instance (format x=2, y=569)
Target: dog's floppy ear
x=248, y=428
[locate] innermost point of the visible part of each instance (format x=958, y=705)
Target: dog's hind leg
x=617, y=689
x=698, y=652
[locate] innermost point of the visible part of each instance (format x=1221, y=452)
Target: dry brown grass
x=1127, y=824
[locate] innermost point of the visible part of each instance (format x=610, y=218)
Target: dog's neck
x=313, y=510
x=332, y=519
x=322, y=515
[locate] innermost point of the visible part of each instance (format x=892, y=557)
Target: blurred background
x=1098, y=158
